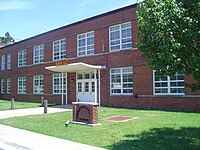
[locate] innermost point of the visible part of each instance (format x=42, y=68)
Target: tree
x=7, y=38
x=169, y=32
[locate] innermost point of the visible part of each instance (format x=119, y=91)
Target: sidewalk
x=18, y=139
x=31, y=111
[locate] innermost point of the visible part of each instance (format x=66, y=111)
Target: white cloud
x=85, y=3
x=15, y=4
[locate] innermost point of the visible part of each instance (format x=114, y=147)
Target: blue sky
x=26, y=18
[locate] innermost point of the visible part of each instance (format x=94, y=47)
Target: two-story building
x=93, y=60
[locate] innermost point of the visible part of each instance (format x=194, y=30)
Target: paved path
x=18, y=139
x=30, y=111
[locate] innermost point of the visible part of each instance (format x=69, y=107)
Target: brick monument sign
x=85, y=113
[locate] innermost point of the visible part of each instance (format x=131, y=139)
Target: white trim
x=74, y=67
x=3, y=62
x=95, y=83
x=8, y=79
x=85, y=44
x=121, y=76
x=62, y=89
x=9, y=61
x=99, y=74
x=168, y=86
x=66, y=96
x=38, y=83
x=2, y=86
x=24, y=60
x=39, y=49
x=23, y=79
x=60, y=78
x=59, y=49
x=120, y=39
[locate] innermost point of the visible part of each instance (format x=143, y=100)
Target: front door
x=85, y=87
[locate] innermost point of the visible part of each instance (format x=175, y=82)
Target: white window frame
x=2, y=86
x=9, y=61
x=168, y=81
x=23, y=87
x=120, y=39
x=121, y=83
x=3, y=62
x=22, y=62
x=38, y=59
x=86, y=45
x=59, y=49
x=39, y=87
x=61, y=88
x=8, y=86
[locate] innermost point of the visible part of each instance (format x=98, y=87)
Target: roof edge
x=75, y=23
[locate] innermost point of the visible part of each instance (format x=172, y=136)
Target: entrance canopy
x=74, y=67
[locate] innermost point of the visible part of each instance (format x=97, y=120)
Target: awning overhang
x=74, y=67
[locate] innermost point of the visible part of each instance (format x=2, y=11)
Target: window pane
x=173, y=84
x=85, y=44
x=86, y=86
x=121, y=81
x=59, y=49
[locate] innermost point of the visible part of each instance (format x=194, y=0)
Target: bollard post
x=45, y=106
x=12, y=103
x=42, y=101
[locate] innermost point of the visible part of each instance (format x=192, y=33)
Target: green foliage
x=169, y=33
x=153, y=130
x=7, y=38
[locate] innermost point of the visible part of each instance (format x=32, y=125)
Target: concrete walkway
x=17, y=139
x=31, y=111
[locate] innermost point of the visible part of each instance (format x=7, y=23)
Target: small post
x=12, y=103
x=45, y=106
x=42, y=101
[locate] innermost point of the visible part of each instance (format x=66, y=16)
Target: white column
x=66, y=89
x=62, y=89
x=95, y=77
x=99, y=77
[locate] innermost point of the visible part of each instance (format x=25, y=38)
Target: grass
x=153, y=130
x=6, y=104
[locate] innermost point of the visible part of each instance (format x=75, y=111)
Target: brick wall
x=142, y=75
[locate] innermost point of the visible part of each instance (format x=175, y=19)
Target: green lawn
x=153, y=130
x=5, y=105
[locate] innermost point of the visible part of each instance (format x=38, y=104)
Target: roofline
x=76, y=23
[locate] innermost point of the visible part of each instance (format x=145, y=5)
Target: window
x=8, y=86
x=38, y=54
x=22, y=85
x=85, y=75
x=57, y=83
x=3, y=62
x=86, y=44
x=22, y=58
x=38, y=84
x=2, y=86
x=8, y=61
x=59, y=49
x=120, y=37
x=169, y=85
x=121, y=81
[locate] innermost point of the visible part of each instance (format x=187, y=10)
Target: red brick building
x=93, y=60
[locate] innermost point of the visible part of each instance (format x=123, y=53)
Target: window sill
x=186, y=96
x=121, y=95
x=128, y=49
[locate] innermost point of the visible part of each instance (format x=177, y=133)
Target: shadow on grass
x=161, y=139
